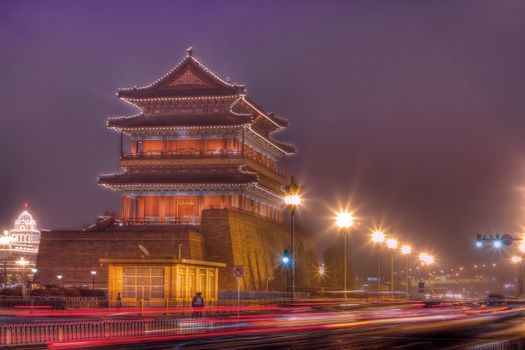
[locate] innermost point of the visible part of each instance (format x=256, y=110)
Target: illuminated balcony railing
x=200, y=154
x=157, y=221
x=181, y=155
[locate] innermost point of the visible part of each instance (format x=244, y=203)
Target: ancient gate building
x=200, y=183
x=197, y=143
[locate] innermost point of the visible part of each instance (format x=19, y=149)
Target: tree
x=333, y=258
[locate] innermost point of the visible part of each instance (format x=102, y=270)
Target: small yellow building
x=156, y=280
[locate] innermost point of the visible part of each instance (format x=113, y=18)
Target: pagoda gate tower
x=198, y=142
x=202, y=192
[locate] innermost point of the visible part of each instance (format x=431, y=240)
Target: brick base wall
x=225, y=235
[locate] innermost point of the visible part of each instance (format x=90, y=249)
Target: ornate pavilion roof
x=180, y=176
x=190, y=120
x=189, y=78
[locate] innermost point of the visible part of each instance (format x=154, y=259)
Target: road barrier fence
x=43, y=333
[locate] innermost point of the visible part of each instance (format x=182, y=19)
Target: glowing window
x=143, y=282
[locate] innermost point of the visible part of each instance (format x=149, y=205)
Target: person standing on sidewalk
x=197, y=304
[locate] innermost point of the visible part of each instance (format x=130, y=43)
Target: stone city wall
x=74, y=254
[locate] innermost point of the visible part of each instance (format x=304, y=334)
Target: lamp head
x=426, y=258
x=292, y=193
x=391, y=243
x=344, y=219
x=406, y=249
x=378, y=237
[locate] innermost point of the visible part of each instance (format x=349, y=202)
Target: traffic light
x=497, y=241
x=479, y=241
x=286, y=257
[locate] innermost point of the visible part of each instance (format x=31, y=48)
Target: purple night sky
x=414, y=110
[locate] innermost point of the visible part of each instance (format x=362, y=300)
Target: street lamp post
x=292, y=199
x=22, y=262
x=34, y=270
x=378, y=237
x=516, y=260
x=344, y=221
x=321, y=274
x=521, y=248
x=406, y=250
x=93, y=274
x=392, y=245
x=426, y=259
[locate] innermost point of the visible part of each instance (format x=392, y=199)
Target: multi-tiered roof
x=191, y=101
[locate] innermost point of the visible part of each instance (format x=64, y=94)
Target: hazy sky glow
x=414, y=110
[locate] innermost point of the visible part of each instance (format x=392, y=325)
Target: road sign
x=421, y=286
x=238, y=271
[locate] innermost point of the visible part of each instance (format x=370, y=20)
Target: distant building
x=19, y=248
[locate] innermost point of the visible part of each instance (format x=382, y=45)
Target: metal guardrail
x=51, y=302
x=42, y=333
x=511, y=344
x=61, y=303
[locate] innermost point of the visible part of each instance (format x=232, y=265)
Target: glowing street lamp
x=344, y=220
x=322, y=270
x=292, y=199
x=406, y=250
x=426, y=258
x=378, y=237
x=93, y=274
x=391, y=244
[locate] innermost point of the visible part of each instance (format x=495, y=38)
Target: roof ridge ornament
x=189, y=52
